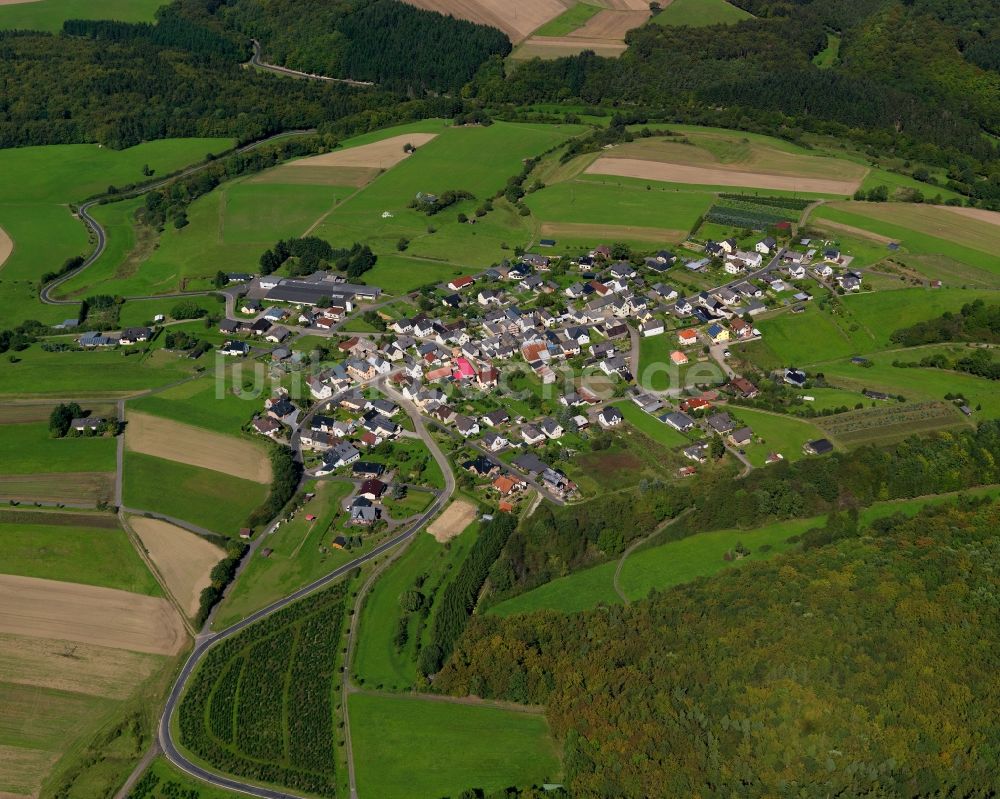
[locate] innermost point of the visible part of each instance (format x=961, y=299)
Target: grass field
x=614, y=202
x=567, y=22
x=40, y=373
x=830, y=54
x=781, y=433
x=195, y=403
x=409, y=748
x=916, y=383
x=203, y=497
x=923, y=230
x=29, y=449
x=40, y=181
x=378, y=663
x=49, y=15
x=76, y=554
x=700, y=12
x=651, y=426
x=80, y=488
x=677, y=562
x=432, y=169
x=301, y=552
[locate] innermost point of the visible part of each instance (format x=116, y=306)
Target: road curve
x=83, y=211
x=206, y=642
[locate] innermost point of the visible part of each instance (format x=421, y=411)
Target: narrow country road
x=83, y=211
x=255, y=61
x=207, y=640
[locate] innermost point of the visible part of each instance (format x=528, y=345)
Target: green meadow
x=676, y=562
x=782, y=433
x=92, y=556
x=171, y=783
x=378, y=662
x=977, y=250
x=567, y=22
x=37, y=372
x=38, y=185
x=697, y=13
x=49, y=15
x=213, y=500
x=452, y=161
x=602, y=201
x=651, y=426
x=300, y=553
x=29, y=449
x=197, y=403
x=412, y=748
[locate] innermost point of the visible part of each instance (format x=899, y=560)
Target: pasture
x=97, y=556
x=700, y=12
x=194, y=446
x=659, y=567
x=651, y=426
x=197, y=403
x=49, y=15
x=183, y=559
x=379, y=661
x=301, y=552
x=414, y=748
x=29, y=449
x=589, y=211
x=77, y=488
x=923, y=230
x=37, y=373
x=210, y=499
x=775, y=432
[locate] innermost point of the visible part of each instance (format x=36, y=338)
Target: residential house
x=687, y=337
x=551, y=428
x=466, y=425
x=741, y=437
x=495, y=418
x=721, y=423
x=820, y=446
x=679, y=421
x=718, y=334
x=610, y=416
x=367, y=470
x=495, y=442
x=239, y=349
x=531, y=435
x=267, y=426
x=654, y=327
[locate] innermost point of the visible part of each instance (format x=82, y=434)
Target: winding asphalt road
x=255, y=61
x=205, y=642
x=83, y=211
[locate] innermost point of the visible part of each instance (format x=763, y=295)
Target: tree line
x=856, y=666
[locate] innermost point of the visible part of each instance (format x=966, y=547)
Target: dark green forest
x=865, y=667
x=555, y=541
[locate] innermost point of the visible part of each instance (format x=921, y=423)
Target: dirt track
x=678, y=173
x=823, y=224
x=456, y=517
x=185, y=560
x=90, y=615
x=164, y=438
x=516, y=18
x=380, y=155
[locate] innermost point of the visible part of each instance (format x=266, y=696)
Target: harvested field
x=966, y=229
x=717, y=176
x=184, y=560
x=6, y=242
x=979, y=214
x=560, y=46
x=27, y=411
x=578, y=230
x=456, y=517
x=70, y=487
x=516, y=18
x=21, y=767
x=89, y=615
x=379, y=155
x=611, y=24
x=163, y=438
x=852, y=230
x=79, y=668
